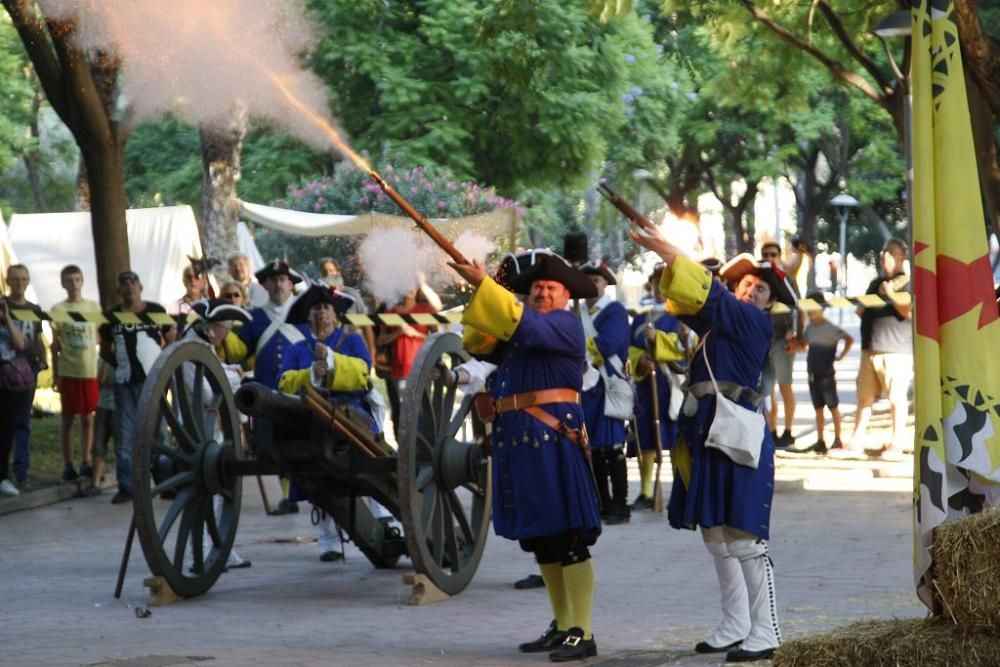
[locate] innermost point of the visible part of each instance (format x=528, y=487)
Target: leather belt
x=530, y=399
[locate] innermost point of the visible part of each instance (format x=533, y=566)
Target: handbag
x=619, y=395
x=735, y=431
x=16, y=374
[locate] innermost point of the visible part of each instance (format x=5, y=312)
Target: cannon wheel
x=186, y=428
x=444, y=483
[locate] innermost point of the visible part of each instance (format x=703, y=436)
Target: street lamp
x=843, y=203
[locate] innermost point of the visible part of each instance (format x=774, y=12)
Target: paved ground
x=840, y=555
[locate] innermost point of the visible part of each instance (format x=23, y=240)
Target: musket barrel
x=421, y=221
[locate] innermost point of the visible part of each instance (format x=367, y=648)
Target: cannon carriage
x=189, y=463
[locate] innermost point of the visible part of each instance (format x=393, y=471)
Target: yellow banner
x=957, y=373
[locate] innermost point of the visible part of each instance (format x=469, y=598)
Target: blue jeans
x=22, y=433
x=126, y=405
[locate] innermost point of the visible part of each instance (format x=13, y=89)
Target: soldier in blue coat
x=731, y=503
x=543, y=492
x=605, y=323
x=656, y=339
x=268, y=338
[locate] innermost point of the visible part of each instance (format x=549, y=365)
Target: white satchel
x=735, y=431
x=619, y=394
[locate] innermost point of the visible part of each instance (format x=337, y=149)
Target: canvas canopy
x=495, y=224
x=160, y=240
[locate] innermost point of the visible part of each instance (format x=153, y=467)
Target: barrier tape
x=871, y=301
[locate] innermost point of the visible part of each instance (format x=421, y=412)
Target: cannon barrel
x=257, y=400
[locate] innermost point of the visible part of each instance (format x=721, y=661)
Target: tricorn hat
x=318, y=293
x=219, y=310
x=278, y=267
x=599, y=269
x=546, y=265
x=744, y=263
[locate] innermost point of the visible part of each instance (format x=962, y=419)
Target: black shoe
x=616, y=518
x=739, y=655
x=819, y=447
x=642, y=503
x=86, y=470
x=286, y=506
x=69, y=474
x=121, y=497
x=574, y=647
x=531, y=581
x=705, y=647
x=551, y=639
x=786, y=440
x=331, y=556
x=92, y=490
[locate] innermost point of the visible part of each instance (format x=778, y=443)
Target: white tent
x=496, y=224
x=160, y=240
x=248, y=247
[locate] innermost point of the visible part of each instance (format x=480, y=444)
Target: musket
x=421, y=221
x=626, y=209
x=657, y=436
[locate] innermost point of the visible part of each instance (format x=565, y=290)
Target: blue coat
x=720, y=492
x=612, y=340
x=542, y=483
x=269, y=359
x=643, y=422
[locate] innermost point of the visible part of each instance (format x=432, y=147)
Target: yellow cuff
x=493, y=310
x=233, y=350
x=292, y=381
x=476, y=342
x=349, y=374
x=634, y=355
x=667, y=347
x=685, y=285
x=595, y=353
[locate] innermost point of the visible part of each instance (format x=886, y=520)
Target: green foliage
x=515, y=94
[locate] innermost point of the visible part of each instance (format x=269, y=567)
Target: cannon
x=189, y=463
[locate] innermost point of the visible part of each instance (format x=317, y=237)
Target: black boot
x=705, y=647
x=599, y=460
x=552, y=638
x=642, y=503
x=618, y=472
x=574, y=647
x=739, y=655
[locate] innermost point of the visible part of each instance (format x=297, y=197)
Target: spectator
x=74, y=372
x=329, y=273
x=194, y=290
x=823, y=337
x=239, y=269
x=15, y=376
x=233, y=293
x=104, y=425
x=405, y=342
x=782, y=355
x=886, y=351
x=131, y=349
x=18, y=280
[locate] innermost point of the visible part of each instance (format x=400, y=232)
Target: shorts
x=823, y=391
x=564, y=548
x=104, y=431
x=782, y=360
x=78, y=395
x=884, y=374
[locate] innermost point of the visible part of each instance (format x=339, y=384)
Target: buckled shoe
x=552, y=638
x=574, y=647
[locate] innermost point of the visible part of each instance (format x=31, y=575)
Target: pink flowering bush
x=433, y=192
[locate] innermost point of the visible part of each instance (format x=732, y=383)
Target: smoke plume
x=199, y=58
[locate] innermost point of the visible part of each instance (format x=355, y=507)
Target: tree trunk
x=221, y=145
x=33, y=158
x=106, y=174
x=81, y=193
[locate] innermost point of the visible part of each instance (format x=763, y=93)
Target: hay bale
x=915, y=642
x=967, y=569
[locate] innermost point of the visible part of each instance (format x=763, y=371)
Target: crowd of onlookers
x=99, y=370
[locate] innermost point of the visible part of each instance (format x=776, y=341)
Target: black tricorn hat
x=599, y=269
x=299, y=312
x=278, y=267
x=218, y=310
x=550, y=266
x=575, y=248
